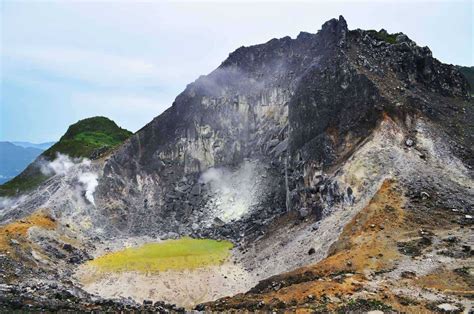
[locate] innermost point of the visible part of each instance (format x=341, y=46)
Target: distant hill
x=91, y=138
x=14, y=159
x=42, y=146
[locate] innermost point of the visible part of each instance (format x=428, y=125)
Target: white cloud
x=125, y=55
x=117, y=100
x=90, y=66
x=128, y=109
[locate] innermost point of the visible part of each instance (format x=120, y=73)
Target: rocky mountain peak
x=349, y=148
x=335, y=30
x=301, y=104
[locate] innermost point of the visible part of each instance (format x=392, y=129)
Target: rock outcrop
x=351, y=149
x=294, y=108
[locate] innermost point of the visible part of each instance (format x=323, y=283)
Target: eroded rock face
x=294, y=107
x=236, y=114
x=277, y=150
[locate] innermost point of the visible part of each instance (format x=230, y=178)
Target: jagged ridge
x=318, y=95
x=278, y=150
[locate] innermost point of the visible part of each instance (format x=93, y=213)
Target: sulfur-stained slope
x=339, y=162
x=403, y=250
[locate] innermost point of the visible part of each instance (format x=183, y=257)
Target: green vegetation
x=184, y=253
x=384, y=36
x=22, y=183
x=89, y=138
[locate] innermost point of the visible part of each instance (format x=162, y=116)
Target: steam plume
x=74, y=168
x=89, y=181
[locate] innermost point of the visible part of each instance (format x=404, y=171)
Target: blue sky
x=62, y=61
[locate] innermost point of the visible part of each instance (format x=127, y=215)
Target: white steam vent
x=89, y=181
x=74, y=169
x=233, y=192
x=61, y=165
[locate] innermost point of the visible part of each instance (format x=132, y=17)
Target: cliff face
x=340, y=152
x=278, y=115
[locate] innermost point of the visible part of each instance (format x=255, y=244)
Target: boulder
x=304, y=212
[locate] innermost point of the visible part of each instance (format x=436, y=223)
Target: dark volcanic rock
x=66, y=298
x=296, y=106
x=259, y=146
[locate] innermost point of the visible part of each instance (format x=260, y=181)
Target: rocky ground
x=338, y=163
x=187, y=288
x=388, y=258
x=53, y=298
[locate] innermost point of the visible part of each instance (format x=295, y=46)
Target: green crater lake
x=180, y=254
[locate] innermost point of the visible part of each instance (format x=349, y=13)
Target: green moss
x=384, y=36
x=22, y=183
x=184, y=253
x=83, y=138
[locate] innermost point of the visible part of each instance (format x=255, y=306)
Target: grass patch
x=184, y=253
x=22, y=183
x=384, y=36
x=87, y=136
